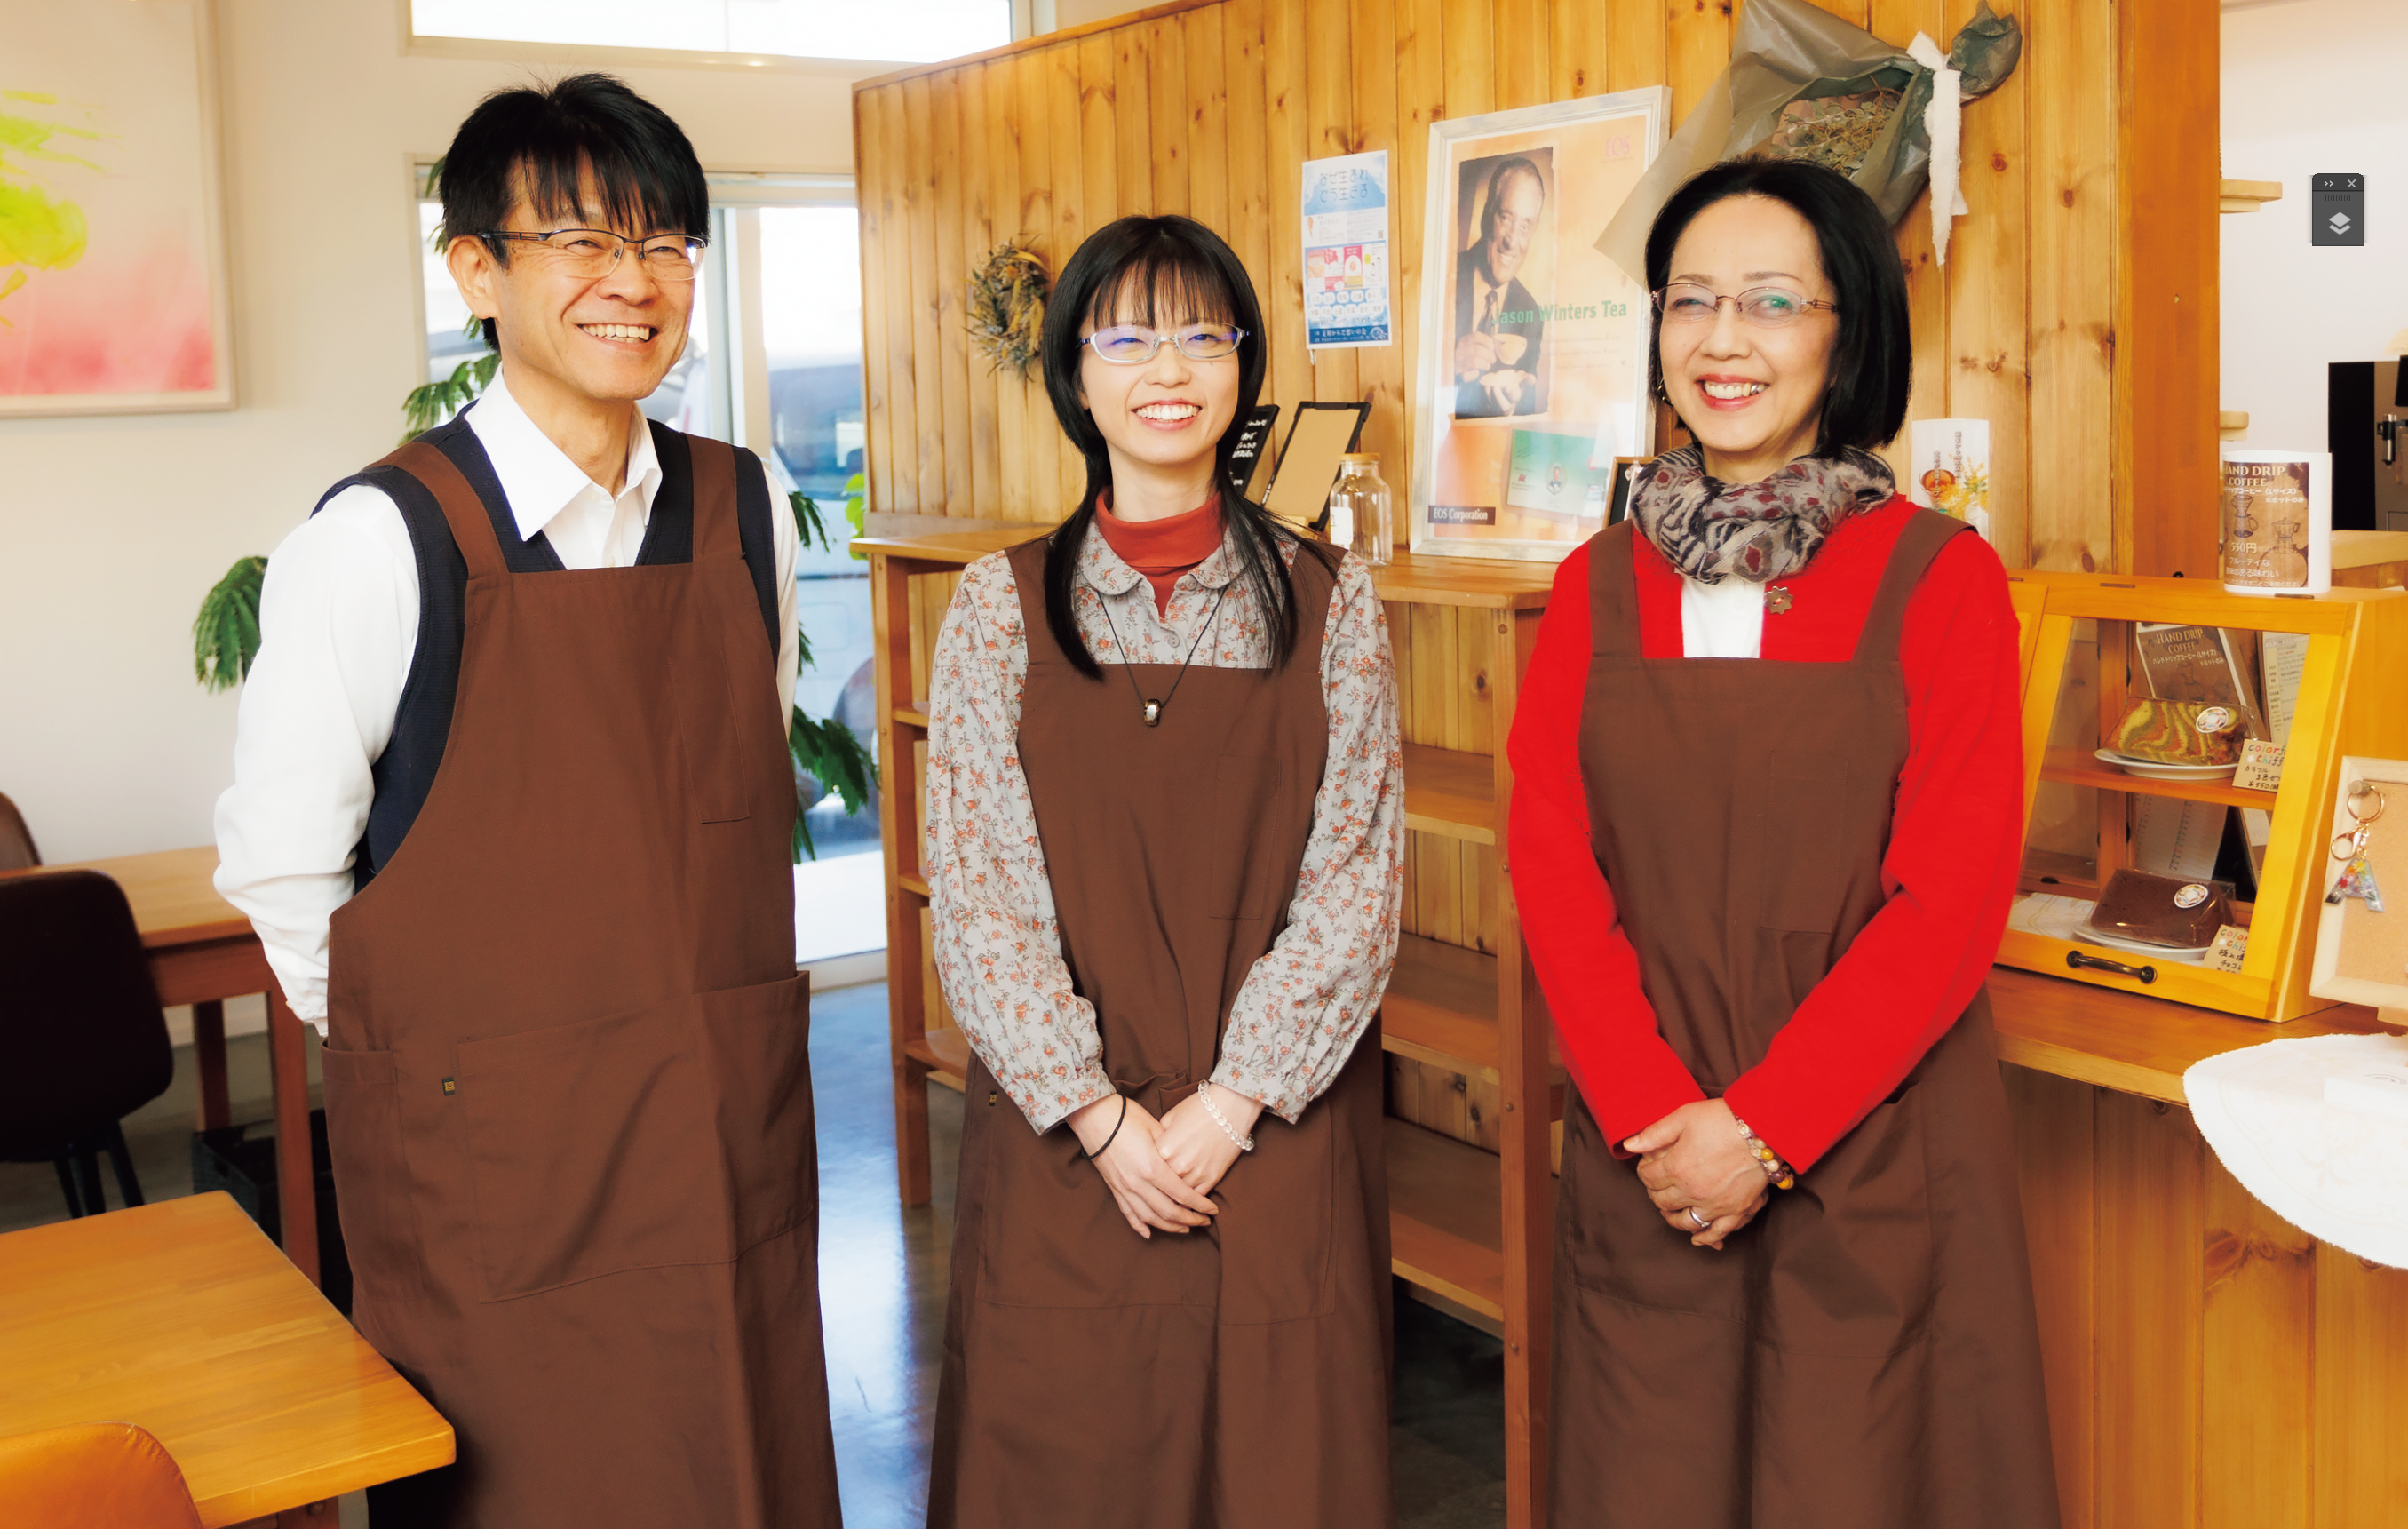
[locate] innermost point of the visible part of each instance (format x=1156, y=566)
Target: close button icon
x=2337, y=210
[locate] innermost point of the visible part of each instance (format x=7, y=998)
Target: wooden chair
x=92, y=1476
x=83, y=1041
x=17, y=851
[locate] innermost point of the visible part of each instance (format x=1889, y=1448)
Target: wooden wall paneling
x=2165, y=312
x=2149, y=1308
x=1284, y=143
x=902, y=397
x=1003, y=132
x=1576, y=48
x=2056, y=1161
x=1073, y=222
x=1379, y=370
x=1420, y=100
x=927, y=374
x=951, y=265
x=1859, y=13
x=1208, y=120
x=1471, y=68
x=1988, y=332
x=1521, y=53
x=1099, y=129
x=1330, y=70
x=1927, y=280
x=2070, y=132
x=1636, y=44
x=2361, y=1390
x=1249, y=164
x=1133, y=116
x=978, y=236
x=879, y=299
x=1697, y=48
x=1040, y=183
x=1165, y=74
x=2256, y=1363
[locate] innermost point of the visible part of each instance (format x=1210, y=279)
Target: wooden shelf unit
x=1473, y=1227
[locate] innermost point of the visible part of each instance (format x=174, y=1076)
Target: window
x=898, y=31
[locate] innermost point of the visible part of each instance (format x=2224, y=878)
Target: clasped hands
x=1162, y=1172
x=1478, y=357
x=1696, y=1156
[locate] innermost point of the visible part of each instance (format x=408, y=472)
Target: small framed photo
x=1533, y=356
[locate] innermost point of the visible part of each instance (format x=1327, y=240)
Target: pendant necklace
x=1153, y=709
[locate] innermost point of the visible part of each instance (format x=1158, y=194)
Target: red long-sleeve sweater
x=1949, y=874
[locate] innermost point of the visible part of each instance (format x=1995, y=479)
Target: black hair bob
x=1872, y=358
x=540, y=143
x=1162, y=272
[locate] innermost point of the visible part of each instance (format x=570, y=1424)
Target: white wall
x=112, y=529
x=2311, y=86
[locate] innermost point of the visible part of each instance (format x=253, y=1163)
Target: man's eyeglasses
x=1134, y=344
x=594, y=252
x=1760, y=307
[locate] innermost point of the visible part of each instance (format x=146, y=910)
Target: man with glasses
x=511, y=814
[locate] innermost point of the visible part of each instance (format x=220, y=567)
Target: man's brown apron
x=1234, y=1375
x=567, y=1078
x=1864, y=1354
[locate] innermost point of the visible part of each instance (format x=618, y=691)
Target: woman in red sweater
x=1764, y=835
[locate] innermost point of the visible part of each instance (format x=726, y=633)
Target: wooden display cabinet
x=2082, y=664
x=1473, y=1227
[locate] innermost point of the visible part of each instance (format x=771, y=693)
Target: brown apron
x=1232, y=1375
x=1864, y=1354
x=567, y=1079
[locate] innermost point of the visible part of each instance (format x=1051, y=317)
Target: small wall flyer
x=1346, y=253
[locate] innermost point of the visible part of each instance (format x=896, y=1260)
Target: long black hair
x=1872, y=355
x=1162, y=272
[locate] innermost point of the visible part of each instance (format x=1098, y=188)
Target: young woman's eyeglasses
x=1134, y=344
x=1761, y=308
x=594, y=252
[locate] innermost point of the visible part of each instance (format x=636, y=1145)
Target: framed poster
x=1533, y=364
x=113, y=283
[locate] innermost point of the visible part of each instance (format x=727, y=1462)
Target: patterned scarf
x=1710, y=529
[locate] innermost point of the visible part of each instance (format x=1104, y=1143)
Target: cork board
x=2361, y=955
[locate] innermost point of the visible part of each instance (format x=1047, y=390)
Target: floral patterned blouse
x=999, y=952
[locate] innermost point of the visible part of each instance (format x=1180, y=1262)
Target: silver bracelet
x=1245, y=1143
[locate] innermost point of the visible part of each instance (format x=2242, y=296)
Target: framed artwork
x=113, y=281
x=1533, y=364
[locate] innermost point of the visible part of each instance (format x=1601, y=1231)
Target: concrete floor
x=882, y=1277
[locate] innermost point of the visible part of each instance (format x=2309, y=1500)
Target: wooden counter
x=2208, y=1364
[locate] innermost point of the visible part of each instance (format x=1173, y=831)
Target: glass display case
x=2180, y=749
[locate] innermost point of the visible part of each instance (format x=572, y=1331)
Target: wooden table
x=202, y=952
x=182, y=1318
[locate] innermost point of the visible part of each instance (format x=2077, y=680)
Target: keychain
x=2358, y=877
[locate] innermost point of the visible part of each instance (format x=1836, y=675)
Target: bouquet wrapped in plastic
x=1803, y=84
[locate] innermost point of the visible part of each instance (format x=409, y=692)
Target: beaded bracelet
x=1245, y=1143
x=1767, y=1158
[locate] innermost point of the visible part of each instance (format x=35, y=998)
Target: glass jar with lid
x=1362, y=510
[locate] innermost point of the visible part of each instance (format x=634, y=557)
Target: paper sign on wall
x=1347, y=304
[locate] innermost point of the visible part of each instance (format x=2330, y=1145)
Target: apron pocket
x=592, y=1149
x=1276, y=1221
x=1850, y=1247
x=756, y=1049
x=1805, y=842
x=1250, y=875
x=372, y=1189
x=1616, y=1242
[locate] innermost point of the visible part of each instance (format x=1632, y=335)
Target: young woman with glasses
x=1764, y=831
x=1165, y=849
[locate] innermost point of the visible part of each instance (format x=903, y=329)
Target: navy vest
x=405, y=773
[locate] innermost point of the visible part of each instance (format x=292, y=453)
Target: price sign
x=2261, y=766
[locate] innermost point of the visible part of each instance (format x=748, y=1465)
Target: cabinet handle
x=2076, y=960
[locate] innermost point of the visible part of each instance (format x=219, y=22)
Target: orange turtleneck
x=1162, y=550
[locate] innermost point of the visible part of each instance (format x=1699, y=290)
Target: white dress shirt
x=338, y=625
x=1722, y=620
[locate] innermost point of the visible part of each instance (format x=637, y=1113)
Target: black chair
x=80, y=1027
x=17, y=851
